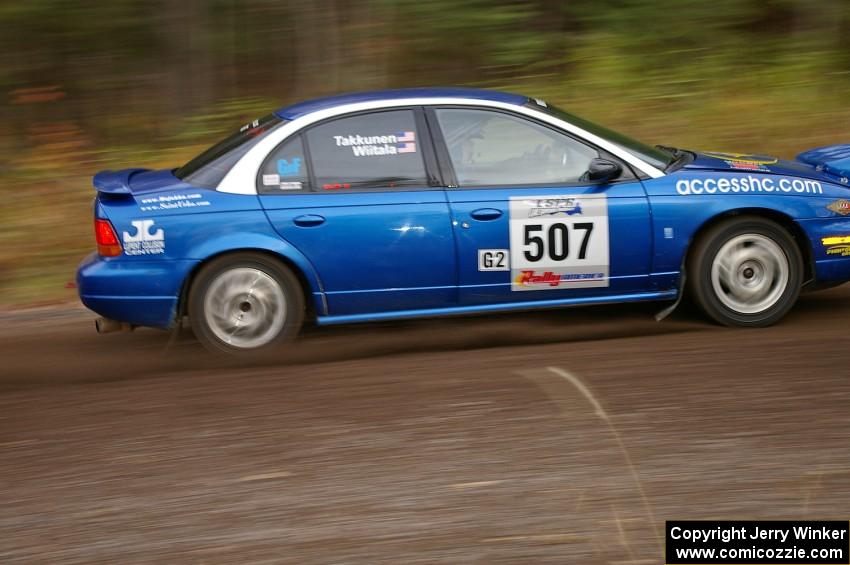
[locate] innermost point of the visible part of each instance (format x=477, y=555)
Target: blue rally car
x=426, y=202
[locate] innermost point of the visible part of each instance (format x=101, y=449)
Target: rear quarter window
x=285, y=169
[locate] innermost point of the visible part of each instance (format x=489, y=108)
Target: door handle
x=485, y=214
x=308, y=220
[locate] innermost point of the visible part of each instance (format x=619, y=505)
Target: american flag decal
x=406, y=147
x=404, y=136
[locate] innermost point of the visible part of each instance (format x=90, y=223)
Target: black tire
x=270, y=272
x=704, y=253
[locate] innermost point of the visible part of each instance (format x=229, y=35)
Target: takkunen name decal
x=376, y=145
x=748, y=184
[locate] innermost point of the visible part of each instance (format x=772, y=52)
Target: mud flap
x=669, y=309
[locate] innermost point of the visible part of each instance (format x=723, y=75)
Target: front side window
x=208, y=168
x=378, y=150
x=489, y=148
x=652, y=155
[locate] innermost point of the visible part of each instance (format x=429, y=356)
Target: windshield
x=651, y=155
x=208, y=168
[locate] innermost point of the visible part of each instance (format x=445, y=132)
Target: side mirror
x=603, y=170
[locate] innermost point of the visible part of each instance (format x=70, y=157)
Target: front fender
x=678, y=215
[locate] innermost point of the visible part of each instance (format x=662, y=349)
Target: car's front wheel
x=745, y=271
x=245, y=303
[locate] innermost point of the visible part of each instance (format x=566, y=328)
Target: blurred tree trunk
x=187, y=54
x=317, y=46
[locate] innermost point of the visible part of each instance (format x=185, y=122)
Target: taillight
x=107, y=242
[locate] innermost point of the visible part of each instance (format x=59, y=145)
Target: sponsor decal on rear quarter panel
x=146, y=240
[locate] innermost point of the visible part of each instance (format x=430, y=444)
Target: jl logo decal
x=145, y=241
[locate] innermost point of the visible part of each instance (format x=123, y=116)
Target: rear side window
x=377, y=150
x=285, y=170
x=208, y=168
x=493, y=148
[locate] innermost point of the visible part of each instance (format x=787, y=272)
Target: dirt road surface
x=556, y=437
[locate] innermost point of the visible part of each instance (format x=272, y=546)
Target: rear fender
x=224, y=244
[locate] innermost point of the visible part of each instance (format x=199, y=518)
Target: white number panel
x=559, y=242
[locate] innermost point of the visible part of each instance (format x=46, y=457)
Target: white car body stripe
x=242, y=177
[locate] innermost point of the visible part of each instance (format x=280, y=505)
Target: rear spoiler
x=115, y=182
x=832, y=159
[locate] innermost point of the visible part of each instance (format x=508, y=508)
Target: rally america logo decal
x=146, y=240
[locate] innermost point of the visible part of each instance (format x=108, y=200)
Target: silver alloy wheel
x=750, y=273
x=245, y=307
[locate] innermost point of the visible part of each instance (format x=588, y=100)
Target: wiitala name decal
x=749, y=184
x=375, y=145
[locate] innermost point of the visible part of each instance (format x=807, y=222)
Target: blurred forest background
x=88, y=85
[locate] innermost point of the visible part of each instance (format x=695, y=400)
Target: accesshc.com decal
x=747, y=185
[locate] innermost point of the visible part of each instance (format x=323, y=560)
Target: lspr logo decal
x=555, y=206
x=146, y=240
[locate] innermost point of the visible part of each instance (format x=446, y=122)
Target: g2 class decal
x=493, y=260
x=559, y=242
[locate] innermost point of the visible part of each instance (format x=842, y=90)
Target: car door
x=356, y=196
x=527, y=227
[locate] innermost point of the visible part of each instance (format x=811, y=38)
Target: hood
x=745, y=162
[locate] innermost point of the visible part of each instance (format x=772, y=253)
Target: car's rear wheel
x=745, y=271
x=245, y=303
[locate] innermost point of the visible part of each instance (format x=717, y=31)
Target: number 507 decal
x=559, y=242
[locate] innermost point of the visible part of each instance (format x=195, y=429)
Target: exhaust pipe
x=105, y=326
